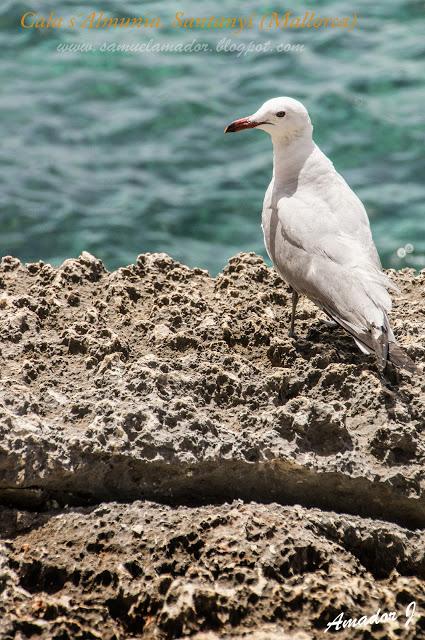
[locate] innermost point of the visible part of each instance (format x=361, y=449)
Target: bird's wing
x=351, y=215
x=327, y=252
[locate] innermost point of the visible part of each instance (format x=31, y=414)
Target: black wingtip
x=400, y=359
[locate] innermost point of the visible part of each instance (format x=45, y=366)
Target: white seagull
x=318, y=236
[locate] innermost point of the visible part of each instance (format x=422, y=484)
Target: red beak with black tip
x=239, y=125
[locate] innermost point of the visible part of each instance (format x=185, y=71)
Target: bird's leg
x=295, y=298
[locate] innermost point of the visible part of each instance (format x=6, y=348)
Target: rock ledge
x=159, y=383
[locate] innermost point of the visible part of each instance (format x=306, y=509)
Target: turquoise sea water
x=121, y=153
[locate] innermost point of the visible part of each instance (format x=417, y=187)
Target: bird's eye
x=280, y=114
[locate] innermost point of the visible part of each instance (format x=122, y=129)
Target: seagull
x=318, y=236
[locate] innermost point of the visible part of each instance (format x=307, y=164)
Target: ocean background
x=122, y=153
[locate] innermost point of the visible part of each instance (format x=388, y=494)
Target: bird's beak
x=239, y=125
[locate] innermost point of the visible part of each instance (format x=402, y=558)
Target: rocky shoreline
x=172, y=463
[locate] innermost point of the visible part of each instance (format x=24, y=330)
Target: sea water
x=112, y=137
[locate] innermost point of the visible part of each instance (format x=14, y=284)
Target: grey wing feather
x=338, y=270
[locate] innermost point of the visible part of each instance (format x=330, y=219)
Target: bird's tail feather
x=400, y=358
x=380, y=342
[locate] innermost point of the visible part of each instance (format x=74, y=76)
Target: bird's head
x=283, y=118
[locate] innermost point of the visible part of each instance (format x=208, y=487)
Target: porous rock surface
x=159, y=383
x=124, y=570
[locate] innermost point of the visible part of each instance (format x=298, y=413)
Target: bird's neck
x=289, y=157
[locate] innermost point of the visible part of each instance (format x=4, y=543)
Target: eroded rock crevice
x=278, y=481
